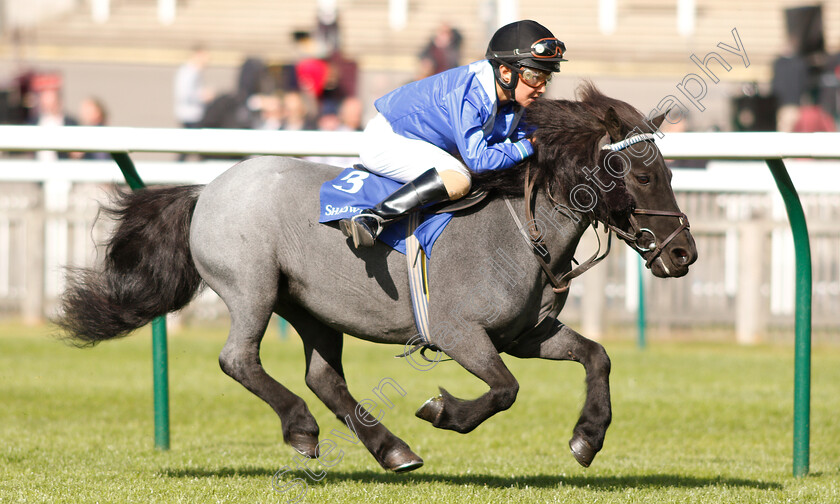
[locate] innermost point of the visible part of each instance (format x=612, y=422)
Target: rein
x=562, y=283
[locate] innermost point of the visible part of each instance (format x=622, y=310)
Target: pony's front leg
x=559, y=342
x=476, y=353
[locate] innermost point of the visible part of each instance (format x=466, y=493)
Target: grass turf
x=691, y=423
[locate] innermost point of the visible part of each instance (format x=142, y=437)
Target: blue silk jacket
x=458, y=111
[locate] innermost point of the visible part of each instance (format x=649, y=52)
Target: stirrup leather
x=379, y=220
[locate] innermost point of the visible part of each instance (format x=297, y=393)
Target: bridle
x=633, y=237
x=654, y=246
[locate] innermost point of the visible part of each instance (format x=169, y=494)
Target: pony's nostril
x=680, y=256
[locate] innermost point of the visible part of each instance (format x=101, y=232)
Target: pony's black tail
x=148, y=270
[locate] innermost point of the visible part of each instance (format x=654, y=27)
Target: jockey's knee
x=457, y=184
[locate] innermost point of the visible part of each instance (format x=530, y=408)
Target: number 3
x=355, y=179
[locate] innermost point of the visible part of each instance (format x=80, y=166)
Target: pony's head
x=598, y=156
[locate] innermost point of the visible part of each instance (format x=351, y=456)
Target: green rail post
x=641, y=319
x=160, y=358
x=802, y=365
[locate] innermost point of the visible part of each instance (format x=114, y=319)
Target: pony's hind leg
x=240, y=360
x=234, y=242
x=325, y=377
x=560, y=342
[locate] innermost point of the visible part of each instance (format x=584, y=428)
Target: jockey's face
x=527, y=89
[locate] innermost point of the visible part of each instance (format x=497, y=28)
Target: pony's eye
x=643, y=179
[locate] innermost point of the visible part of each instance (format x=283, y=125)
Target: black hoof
x=402, y=459
x=305, y=444
x=581, y=450
x=431, y=410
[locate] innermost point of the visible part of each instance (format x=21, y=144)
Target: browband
x=627, y=142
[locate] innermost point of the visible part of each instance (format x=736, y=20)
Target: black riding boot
x=425, y=190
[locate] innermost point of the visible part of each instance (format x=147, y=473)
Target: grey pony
x=252, y=235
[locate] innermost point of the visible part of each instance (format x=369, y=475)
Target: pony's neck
x=561, y=228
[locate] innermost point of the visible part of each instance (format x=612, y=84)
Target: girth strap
x=418, y=283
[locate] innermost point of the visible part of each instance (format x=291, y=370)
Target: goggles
x=533, y=77
x=548, y=48
x=541, y=49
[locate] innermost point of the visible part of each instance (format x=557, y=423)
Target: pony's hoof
x=305, y=444
x=431, y=410
x=581, y=450
x=402, y=459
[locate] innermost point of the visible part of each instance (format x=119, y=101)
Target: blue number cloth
x=354, y=190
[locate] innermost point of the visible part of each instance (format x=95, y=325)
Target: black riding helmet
x=524, y=43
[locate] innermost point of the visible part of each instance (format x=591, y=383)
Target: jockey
x=462, y=121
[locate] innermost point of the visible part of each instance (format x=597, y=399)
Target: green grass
x=692, y=423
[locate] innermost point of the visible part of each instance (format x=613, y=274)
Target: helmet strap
x=514, y=76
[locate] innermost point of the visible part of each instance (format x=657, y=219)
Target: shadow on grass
x=609, y=483
x=606, y=483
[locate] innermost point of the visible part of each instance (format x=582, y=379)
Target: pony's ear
x=605, y=140
x=658, y=120
x=613, y=125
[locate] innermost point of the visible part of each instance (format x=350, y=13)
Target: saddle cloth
x=355, y=190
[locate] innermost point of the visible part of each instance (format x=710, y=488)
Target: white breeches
x=403, y=159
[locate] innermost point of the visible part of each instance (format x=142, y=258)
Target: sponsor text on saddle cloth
x=355, y=190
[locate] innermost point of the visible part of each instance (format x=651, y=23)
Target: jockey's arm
x=478, y=155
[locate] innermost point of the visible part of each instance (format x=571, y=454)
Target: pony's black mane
x=568, y=134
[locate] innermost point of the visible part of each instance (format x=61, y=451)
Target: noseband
x=654, y=246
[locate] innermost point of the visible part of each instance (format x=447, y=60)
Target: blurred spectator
x=51, y=110
x=442, y=52
x=93, y=113
x=51, y=114
x=191, y=95
x=790, y=81
x=329, y=122
x=829, y=98
x=311, y=71
x=21, y=106
x=312, y=76
x=340, y=84
x=350, y=114
x=348, y=117
x=251, y=75
x=224, y=111
x=297, y=112
x=321, y=72
x=812, y=118
x=271, y=113
x=343, y=120
x=239, y=109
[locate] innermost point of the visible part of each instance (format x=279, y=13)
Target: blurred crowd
x=318, y=90
x=315, y=92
